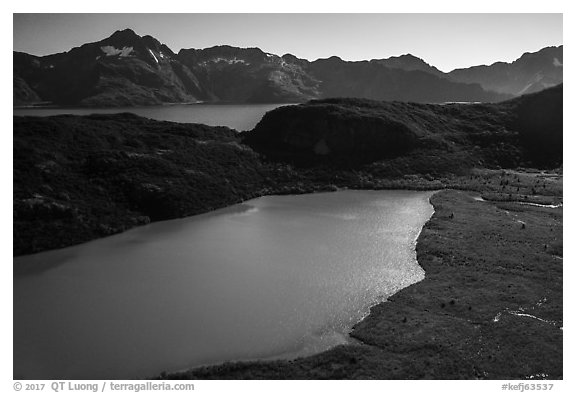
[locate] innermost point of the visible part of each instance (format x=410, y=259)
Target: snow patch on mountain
x=112, y=51
x=557, y=62
x=234, y=60
x=153, y=55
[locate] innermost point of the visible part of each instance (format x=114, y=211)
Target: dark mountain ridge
x=126, y=69
x=408, y=62
x=123, y=69
x=530, y=73
x=371, y=80
x=248, y=75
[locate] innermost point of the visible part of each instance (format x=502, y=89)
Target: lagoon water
x=277, y=276
x=241, y=117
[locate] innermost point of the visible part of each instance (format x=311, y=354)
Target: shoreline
x=409, y=337
x=167, y=104
x=349, y=338
x=348, y=334
x=316, y=342
x=411, y=184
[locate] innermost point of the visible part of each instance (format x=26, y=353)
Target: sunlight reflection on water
x=274, y=276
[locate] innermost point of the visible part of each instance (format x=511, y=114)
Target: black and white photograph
x=287, y=196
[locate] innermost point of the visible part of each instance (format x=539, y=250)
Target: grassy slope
x=443, y=327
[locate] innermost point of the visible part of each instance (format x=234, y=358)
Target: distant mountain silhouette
x=530, y=73
x=123, y=69
x=127, y=69
x=409, y=62
x=249, y=75
x=365, y=79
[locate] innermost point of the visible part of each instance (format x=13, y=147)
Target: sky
x=447, y=41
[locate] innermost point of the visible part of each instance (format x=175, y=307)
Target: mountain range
x=531, y=73
x=127, y=69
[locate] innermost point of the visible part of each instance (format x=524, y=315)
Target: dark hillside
x=79, y=178
x=538, y=118
x=352, y=132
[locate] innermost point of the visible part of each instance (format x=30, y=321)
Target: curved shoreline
x=443, y=326
x=177, y=374
x=378, y=302
x=349, y=334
